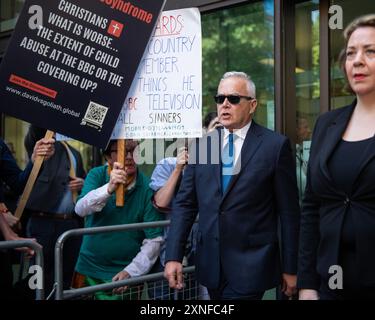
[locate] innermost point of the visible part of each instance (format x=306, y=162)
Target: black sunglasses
x=233, y=99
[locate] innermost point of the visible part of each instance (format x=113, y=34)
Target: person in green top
x=114, y=256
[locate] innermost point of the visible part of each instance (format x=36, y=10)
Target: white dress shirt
x=238, y=140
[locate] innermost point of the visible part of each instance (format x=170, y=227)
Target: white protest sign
x=165, y=99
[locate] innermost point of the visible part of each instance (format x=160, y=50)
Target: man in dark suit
x=241, y=180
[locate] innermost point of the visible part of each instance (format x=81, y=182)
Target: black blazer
x=238, y=231
x=54, y=175
x=10, y=173
x=324, y=207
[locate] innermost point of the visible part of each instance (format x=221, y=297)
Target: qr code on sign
x=95, y=115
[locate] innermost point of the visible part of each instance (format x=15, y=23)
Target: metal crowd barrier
x=62, y=294
x=13, y=244
x=149, y=278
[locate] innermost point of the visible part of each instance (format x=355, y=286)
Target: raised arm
x=164, y=195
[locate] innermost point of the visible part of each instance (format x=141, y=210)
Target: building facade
x=290, y=49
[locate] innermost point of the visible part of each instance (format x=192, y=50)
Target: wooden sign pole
x=121, y=155
x=31, y=181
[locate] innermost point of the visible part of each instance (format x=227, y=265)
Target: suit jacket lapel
x=208, y=155
x=216, y=167
x=250, y=145
x=333, y=136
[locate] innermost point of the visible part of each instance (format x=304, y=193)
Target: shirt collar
x=239, y=133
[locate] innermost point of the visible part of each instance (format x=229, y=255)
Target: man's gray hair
x=238, y=74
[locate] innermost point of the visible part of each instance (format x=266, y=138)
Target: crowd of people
x=239, y=181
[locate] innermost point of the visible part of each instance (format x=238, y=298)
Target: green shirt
x=103, y=255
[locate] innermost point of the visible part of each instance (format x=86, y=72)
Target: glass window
x=240, y=39
x=307, y=83
x=9, y=11
x=340, y=95
x=14, y=133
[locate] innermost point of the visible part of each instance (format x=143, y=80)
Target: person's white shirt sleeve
x=146, y=257
x=92, y=202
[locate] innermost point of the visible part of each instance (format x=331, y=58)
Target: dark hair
x=208, y=118
x=107, y=151
x=133, y=144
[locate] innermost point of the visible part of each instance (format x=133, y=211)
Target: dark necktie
x=227, y=159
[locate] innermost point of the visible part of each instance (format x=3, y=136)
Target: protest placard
x=165, y=99
x=70, y=64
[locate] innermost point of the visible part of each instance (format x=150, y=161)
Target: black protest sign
x=70, y=64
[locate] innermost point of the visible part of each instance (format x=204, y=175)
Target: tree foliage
x=239, y=39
